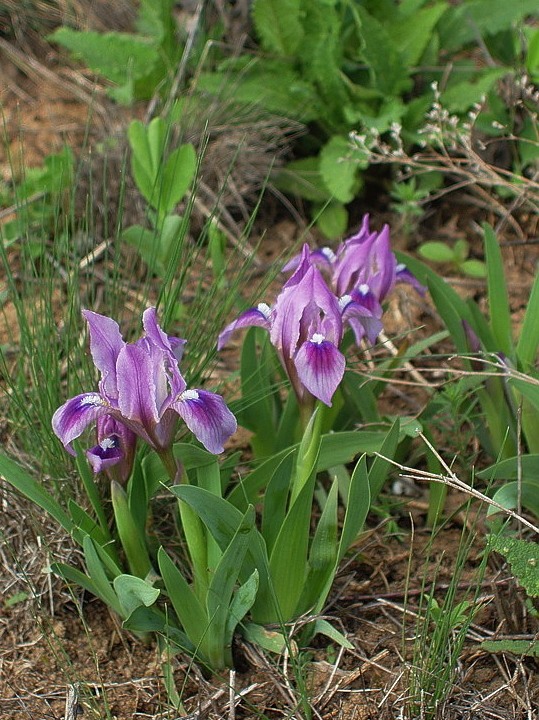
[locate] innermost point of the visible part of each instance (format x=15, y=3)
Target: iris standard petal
x=156, y=335
x=382, y=265
x=74, y=416
x=105, y=344
x=207, y=416
x=137, y=371
x=320, y=367
x=259, y=316
x=302, y=306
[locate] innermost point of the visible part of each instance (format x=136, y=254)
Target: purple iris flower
x=141, y=394
x=305, y=327
x=362, y=272
x=364, y=259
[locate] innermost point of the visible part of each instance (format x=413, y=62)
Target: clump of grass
x=19, y=18
x=440, y=633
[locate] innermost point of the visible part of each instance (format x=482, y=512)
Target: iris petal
x=320, y=367
x=137, y=373
x=106, y=454
x=207, y=416
x=105, y=344
x=258, y=316
x=74, y=416
x=167, y=343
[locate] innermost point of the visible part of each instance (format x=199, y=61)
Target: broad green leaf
x=34, y=491
x=389, y=74
x=141, y=158
x=529, y=648
x=117, y=56
x=172, y=233
x=156, y=137
x=269, y=640
x=380, y=467
x=484, y=17
x=278, y=24
x=178, y=174
x=412, y=34
x=331, y=220
x=529, y=390
x=338, y=170
x=523, y=556
x=323, y=627
x=146, y=243
x=150, y=619
x=436, y=251
x=498, y=297
x=87, y=524
x=321, y=58
x=529, y=332
x=335, y=449
x=461, y=249
x=288, y=422
x=474, y=268
x=187, y=607
x=133, y=592
x=288, y=560
x=242, y=602
x=302, y=178
x=222, y=520
x=98, y=576
x=276, y=499
x=360, y=399
x=460, y=96
x=93, y=492
x=448, y=303
x=221, y=588
x=307, y=455
x=513, y=494
x=509, y=469
x=155, y=18
x=272, y=84
x=257, y=388
x=532, y=56
x=357, y=506
x=322, y=561
x=132, y=537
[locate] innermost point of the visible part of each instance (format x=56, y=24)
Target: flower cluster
x=307, y=322
x=142, y=394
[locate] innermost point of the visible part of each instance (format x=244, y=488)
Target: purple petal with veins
x=137, y=374
x=74, y=416
x=207, y=416
x=320, y=366
x=260, y=316
x=167, y=343
x=105, y=344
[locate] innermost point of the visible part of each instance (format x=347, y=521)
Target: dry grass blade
x=452, y=481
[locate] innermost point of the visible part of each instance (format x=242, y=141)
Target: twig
x=451, y=480
x=232, y=695
x=72, y=702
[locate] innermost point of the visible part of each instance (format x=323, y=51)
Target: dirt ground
x=54, y=645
